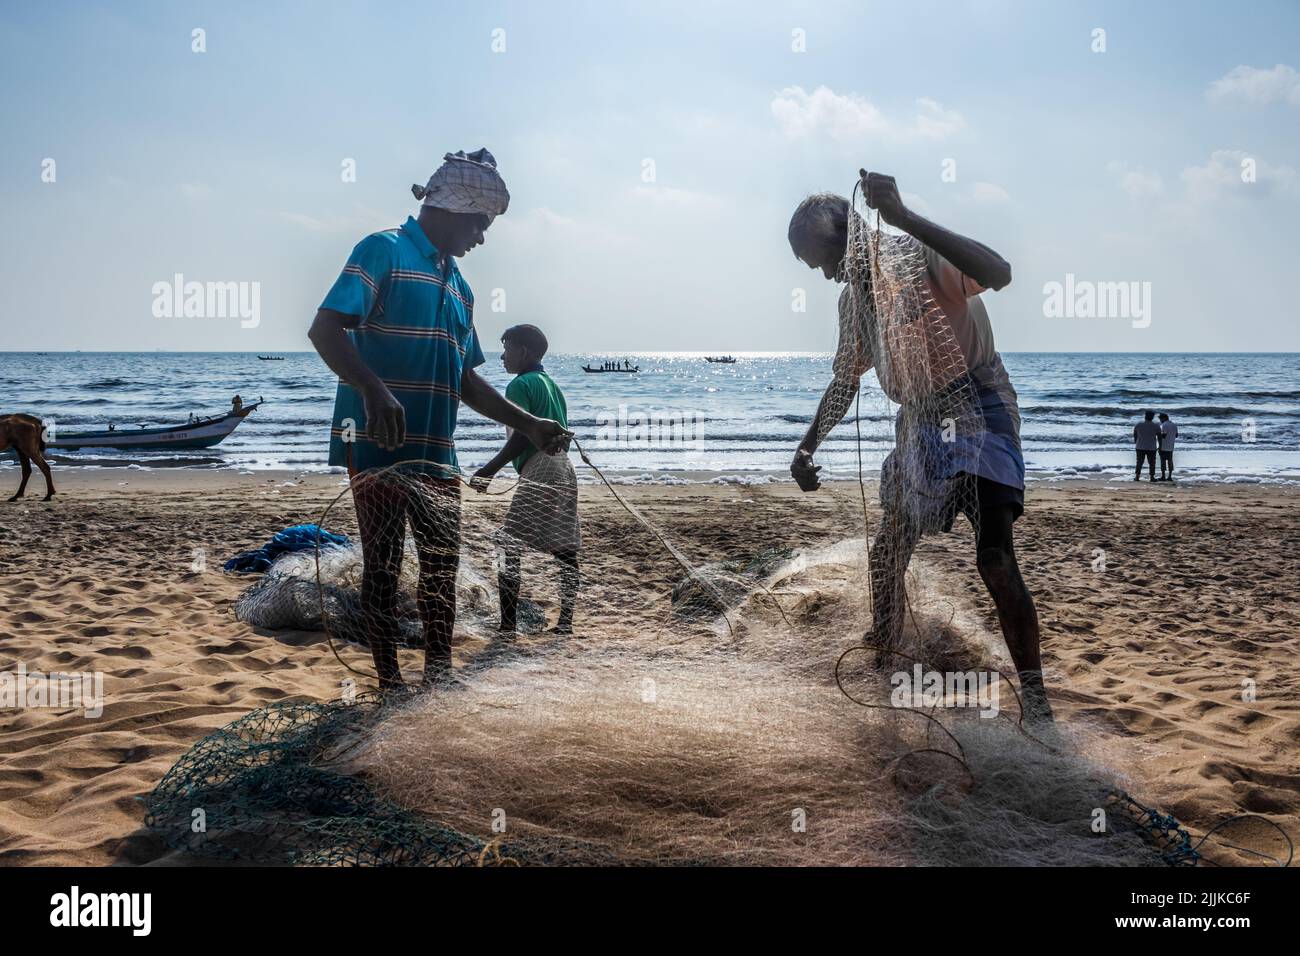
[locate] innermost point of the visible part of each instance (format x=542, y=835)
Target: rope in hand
x=677, y=555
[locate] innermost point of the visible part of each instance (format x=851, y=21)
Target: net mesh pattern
x=718, y=701
x=749, y=717
x=889, y=314
x=254, y=790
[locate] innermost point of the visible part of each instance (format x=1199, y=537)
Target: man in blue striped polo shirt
x=398, y=329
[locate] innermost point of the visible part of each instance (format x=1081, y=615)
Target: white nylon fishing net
x=703, y=709
x=922, y=379
x=628, y=685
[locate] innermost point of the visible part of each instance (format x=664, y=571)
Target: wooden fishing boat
x=635, y=368
x=199, y=433
x=725, y=360
x=271, y=358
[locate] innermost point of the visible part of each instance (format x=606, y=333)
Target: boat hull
x=200, y=434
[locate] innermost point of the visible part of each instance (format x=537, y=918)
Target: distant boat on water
x=723, y=360
x=271, y=358
x=613, y=368
x=197, y=433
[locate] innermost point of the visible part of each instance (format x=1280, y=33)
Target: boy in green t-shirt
x=543, y=513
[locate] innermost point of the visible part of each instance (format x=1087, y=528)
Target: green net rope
x=255, y=791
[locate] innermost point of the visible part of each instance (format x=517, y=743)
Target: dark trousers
x=1167, y=464
x=1150, y=457
x=508, y=581
x=385, y=505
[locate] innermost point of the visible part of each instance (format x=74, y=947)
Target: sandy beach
x=1196, y=596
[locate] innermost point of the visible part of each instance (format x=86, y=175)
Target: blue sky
x=1115, y=166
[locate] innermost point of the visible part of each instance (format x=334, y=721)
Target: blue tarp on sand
x=298, y=537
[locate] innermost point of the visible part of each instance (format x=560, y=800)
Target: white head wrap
x=466, y=183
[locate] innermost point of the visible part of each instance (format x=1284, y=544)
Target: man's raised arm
x=975, y=259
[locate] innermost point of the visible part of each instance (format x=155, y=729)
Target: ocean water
x=683, y=419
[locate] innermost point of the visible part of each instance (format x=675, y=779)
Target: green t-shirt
x=534, y=392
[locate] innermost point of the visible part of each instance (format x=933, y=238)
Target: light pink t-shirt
x=959, y=338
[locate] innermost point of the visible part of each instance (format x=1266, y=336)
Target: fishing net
x=291, y=595
x=255, y=790
x=891, y=324
x=575, y=677
x=416, y=569
x=261, y=790
x=702, y=711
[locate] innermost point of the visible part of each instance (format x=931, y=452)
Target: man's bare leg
x=508, y=583
x=891, y=552
x=569, y=579
x=435, y=525
x=996, y=559
x=381, y=518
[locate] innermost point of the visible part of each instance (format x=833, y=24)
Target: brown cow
x=26, y=434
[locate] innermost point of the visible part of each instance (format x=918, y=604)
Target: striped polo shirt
x=416, y=333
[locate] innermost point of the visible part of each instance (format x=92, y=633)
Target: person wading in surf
x=956, y=271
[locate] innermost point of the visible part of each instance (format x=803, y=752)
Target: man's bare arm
x=831, y=410
x=852, y=361
x=385, y=416
x=478, y=394
x=973, y=258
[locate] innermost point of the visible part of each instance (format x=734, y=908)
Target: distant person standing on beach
x=1168, y=435
x=398, y=329
x=1146, y=436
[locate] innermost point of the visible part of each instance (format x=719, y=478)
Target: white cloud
x=306, y=221
x=1247, y=84
x=672, y=196
x=1138, y=183
x=850, y=116
x=1228, y=173
x=801, y=114
x=542, y=228
x=360, y=222
x=988, y=194
x=541, y=217
x=917, y=204
x=935, y=122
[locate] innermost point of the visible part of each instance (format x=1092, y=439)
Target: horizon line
x=765, y=353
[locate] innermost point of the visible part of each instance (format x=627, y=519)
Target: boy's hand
x=482, y=478
x=549, y=436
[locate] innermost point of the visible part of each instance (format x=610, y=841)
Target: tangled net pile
x=705, y=707
x=263, y=796
x=259, y=783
